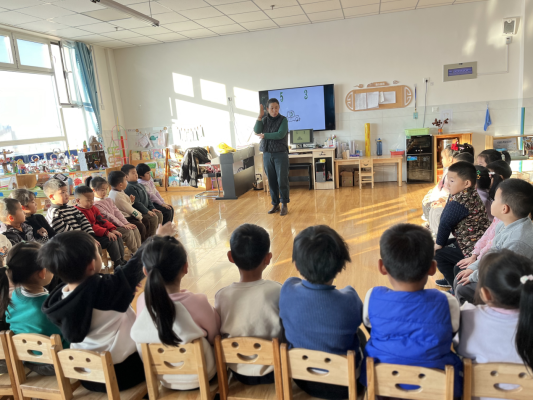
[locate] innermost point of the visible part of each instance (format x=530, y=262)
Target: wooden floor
x=360, y=216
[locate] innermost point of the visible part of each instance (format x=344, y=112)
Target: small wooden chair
x=248, y=350
x=302, y=363
x=94, y=367
x=367, y=172
x=482, y=380
x=25, y=347
x=7, y=381
x=384, y=380
x=159, y=359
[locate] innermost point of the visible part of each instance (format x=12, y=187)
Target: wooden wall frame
x=403, y=97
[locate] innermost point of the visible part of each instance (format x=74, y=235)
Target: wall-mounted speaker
x=509, y=26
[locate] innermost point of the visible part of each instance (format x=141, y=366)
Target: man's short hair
x=82, y=189
x=52, y=186
x=407, y=252
x=24, y=196
x=249, y=245
x=273, y=100
x=116, y=177
x=126, y=168
x=466, y=171
x=517, y=194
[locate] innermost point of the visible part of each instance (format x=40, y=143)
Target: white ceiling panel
x=326, y=16
x=46, y=11
x=122, y=34
x=170, y=37
x=259, y=25
x=16, y=18
x=170, y=17
x=228, y=29
x=78, y=5
x=295, y=20
x=250, y=17
x=107, y=14
x=183, y=26
x=76, y=20
x=16, y=4
x=181, y=5
x=200, y=13
x=238, y=8
x=284, y=12
x=322, y=6
x=188, y=19
x=217, y=21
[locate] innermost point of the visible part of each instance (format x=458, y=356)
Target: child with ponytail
x=23, y=309
x=490, y=155
x=130, y=233
x=171, y=316
x=500, y=329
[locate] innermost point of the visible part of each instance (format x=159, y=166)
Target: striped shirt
x=67, y=218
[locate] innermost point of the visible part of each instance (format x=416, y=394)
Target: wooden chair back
x=483, y=380
x=247, y=350
x=160, y=359
x=37, y=348
x=7, y=381
x=89, y=366
x=366, y=172
x=385, y=380
x=304, y=364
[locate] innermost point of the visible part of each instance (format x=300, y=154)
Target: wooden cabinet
x=439, y=142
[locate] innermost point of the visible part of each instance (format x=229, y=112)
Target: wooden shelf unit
x=463, y=137
x=181, y=188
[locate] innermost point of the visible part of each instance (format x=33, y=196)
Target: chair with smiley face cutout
x=252, y=351
x=387, y=380
x=497, y=381
x=187, y=359
x=317, y=366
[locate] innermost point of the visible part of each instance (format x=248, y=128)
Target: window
x=6, y=51
x=34, y=54
x=59, y=73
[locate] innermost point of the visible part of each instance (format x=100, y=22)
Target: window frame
x=34, y=39
x=14, y=65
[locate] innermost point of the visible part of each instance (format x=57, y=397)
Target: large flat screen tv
x=308, y=107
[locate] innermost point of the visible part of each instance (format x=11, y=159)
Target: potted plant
x=439, y=124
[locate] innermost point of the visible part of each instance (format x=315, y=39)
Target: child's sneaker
x=443, y=283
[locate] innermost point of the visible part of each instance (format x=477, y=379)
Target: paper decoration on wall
x=190, y=134
x=378, y=95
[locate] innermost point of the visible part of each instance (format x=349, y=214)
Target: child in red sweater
x=105, y=232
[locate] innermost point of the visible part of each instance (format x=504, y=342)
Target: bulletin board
x=403, y=97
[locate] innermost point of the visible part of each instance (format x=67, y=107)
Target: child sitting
x=93, y=310
x=17, y=230
x=130, y=233
x=168, y=315
x=250, y=307
x=315, y=315
x=498, y=171
x=61, y=216
x=117, y=181
x=464, y=216
x=411, y=325
x=488, y=156
x=505, y=318
x=483, y=186
x=151, y=217
x=512, y=205
x=467, y=157
x=105, y=232
x=23, y=310
x=145, y=179
x=42, y=231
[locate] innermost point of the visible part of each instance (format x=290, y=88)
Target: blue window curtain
x=84, y=62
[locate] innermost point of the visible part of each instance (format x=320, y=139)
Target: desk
x=377, y=160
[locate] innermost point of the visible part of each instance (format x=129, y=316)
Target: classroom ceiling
x=85, y=21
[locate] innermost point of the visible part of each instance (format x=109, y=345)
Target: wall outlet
x=508, y=39
x=435, y=109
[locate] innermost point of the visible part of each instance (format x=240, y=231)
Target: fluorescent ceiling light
x=128, y=10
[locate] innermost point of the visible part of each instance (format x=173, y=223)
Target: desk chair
x=384, y=380
x=482, y=380
x=248, y=350
x=302, y=363
x=8, y=385
x=159, y=359
x=367, y=172
x=36, y=348
x=95, y=367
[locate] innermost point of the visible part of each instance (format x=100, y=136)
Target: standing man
x=272, y=130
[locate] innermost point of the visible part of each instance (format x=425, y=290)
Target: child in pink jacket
x=130, y=234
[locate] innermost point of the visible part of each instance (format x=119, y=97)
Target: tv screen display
x=308, y=107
